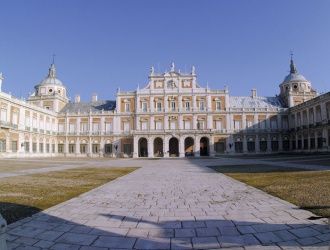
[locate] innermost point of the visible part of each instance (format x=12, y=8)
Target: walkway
x=171, y=204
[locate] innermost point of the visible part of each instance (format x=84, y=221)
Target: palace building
x=172, y=116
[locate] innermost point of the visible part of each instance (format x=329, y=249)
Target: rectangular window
x=159, y=106
x=218, y=106
x=201, y=105
x=127, y=107
x=27, y=146
x=15, y=118
x=34, y=122
x=237, y=124
x=273, y=124
x=200, y=124
x=187, y=104
x=144, y=125
x=187, y=125
x=173, y=106
x=84, y=127
x=218, y=125
x=127, y=149
x=172, y=125
x=72, y=128
x=108, y=148
x=96, y=127
x=96, y=148
x=144, y=107
x=2, y=145
x=262, y=124
x=27, y=121
x=14, y=146
x=34, y=147
x=61, y=128
x=126, y=126
x=3, y=116
x=249, y=124
x=108, y=127
x=159, y=125
x=72, y=148
x=53, y=148
x=83, y=148
x=47, y=148
x=41, y=147
x=60, y=148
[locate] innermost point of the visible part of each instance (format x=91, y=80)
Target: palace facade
x=172, y=116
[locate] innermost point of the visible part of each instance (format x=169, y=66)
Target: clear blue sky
x=102, y=45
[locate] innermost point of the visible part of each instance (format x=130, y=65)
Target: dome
x=51, y=78
x=292, y=77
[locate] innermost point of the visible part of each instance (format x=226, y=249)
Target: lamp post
x=3, y=227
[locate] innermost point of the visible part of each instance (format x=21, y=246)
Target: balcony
x=27, y=128
x=35, y=130
x=96, y=132
x=84, y=133
x=42, y=131
x=107, y=132
x=5, y=124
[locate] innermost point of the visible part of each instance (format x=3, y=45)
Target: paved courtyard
x=172, y=204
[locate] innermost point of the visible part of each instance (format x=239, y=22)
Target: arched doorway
x=189, y=146
x=173, y=147
x=158, y=147
x=143, y=147
x=204, y=146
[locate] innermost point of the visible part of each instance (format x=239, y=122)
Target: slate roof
x=257, y=102
x=83, y=107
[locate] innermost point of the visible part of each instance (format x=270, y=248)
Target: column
x=325, y=137
x=152, y=123
x=194, y=103
x=194, y=121
x=180, y=121
x=180, y=103
x=181, y=147
x=165, y=146
x=212, y=151
x=78, y=125
x=267, y=122
x=102, y=126
x=209, y=103
x=255, y=121
x=279, y=121
x=269, y=149
x=280, y=143
x=135, y=147
x=197, y=146
x=152, y=104
x=77, y=146
x=243, y=122
x=209, y=121
x=31, y=143
x=230, y=142
x=166, y=122
x=257, y=144
x=302, y=141
x=245, y=144
x=89, y=150
x=166, y=103
x=150, y=148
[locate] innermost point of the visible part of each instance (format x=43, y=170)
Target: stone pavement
x=171, y=204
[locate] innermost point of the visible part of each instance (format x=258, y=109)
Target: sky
x=101, y=45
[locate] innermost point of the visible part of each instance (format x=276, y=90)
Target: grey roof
x=294, y=77
x=82, y=107
x=257, y=102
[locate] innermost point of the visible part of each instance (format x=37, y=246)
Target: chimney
x=254, y=93
x=77, y=99
x=94, y=97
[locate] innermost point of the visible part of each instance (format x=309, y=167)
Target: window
x=219, y=147
x=173, y=106
x=27, y=121
x=159, y=125
x=27, y=146
x=218, y=105
x=263, y=145
x=273, y=123
x=218, y=125
x=34, y=123
x=53, y=148
x=108, y=148
x=201, y=105
x=2, y=145
x=3, y=116
x=83, y=148
x=172, y=124
x=144, y=107
x=72, y=128
x=96, y=127
x=127, y=107
x=249, y=124
x=84, y=127
x=41, y=147
x=127, y=149
x=60, y=148
x=262, y=124
x=47, y=148
x=251, y=146
x=126, y=126
x=34, y=147
x=72, y=148
x=237, y=124
x=61, y=128
x=108, y=127
x=96, y=148
x=187, y=105
x=15, y=118
x=200, y=124
x=187, y=124
x=144, y=125
x=14, y=146
x=159, y=106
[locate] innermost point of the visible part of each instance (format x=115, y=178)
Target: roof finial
x=293, y=69
x=53, y=62
x=172, y=67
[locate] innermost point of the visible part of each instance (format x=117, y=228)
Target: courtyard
x=168, y=203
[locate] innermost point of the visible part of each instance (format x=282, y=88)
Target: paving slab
x=171, y=204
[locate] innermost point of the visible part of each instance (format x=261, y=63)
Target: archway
x=204, y=146
x=189, y=146
x=143, y=147
x=158, y=147
x=173, y=147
